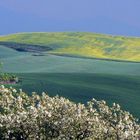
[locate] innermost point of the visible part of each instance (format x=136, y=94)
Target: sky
x=116, y=17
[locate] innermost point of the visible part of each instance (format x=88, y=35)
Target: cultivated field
x=79, y=66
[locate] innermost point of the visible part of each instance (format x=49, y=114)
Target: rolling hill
x=62, y=63
x=77, y=44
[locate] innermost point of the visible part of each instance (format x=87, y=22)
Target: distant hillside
x=77, y=44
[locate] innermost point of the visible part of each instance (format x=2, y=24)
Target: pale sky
x=117, y=17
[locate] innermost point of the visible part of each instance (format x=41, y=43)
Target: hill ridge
x=85, y=44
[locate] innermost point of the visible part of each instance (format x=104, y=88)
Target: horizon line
x=107, y=34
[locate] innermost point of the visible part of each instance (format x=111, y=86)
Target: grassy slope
x=83, y=44
x=9, y=53
x=77, y=78
x=26, y=63
x=81, y=87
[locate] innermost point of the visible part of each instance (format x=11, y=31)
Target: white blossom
x=43, y=117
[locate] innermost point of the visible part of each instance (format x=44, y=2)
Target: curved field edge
x=81, y=44
x=27, y=63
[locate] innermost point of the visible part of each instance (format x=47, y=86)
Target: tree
x=7, y=77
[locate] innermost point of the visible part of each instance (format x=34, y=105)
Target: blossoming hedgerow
x=35, y=117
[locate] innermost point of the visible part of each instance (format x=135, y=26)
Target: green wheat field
x=76, y=65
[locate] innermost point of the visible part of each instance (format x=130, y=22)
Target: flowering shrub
x=35, y=117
